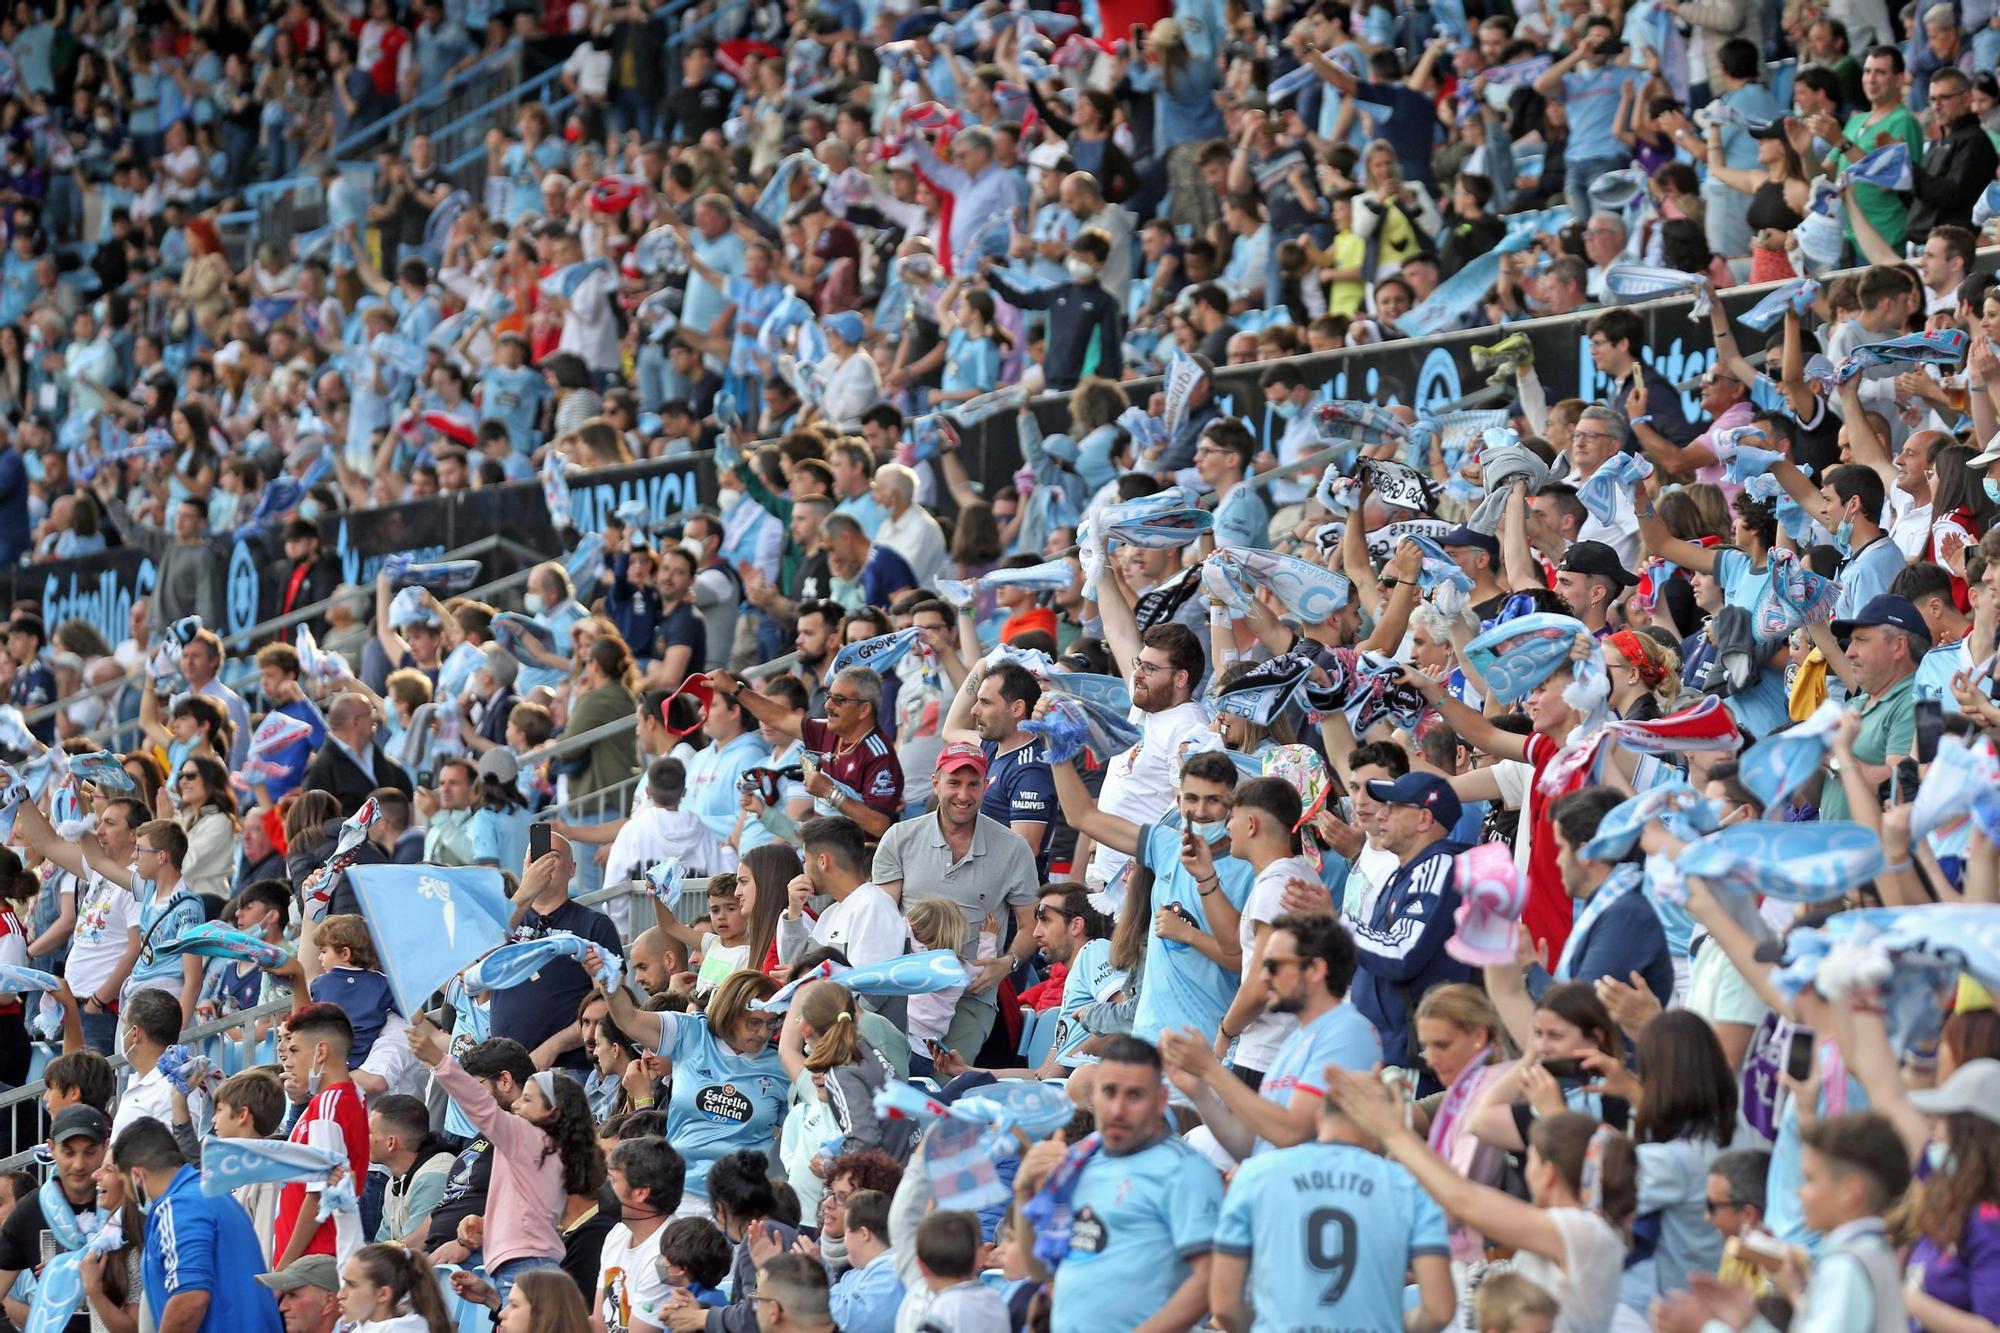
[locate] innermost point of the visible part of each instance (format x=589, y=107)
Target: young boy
x=250, y=1105
x=868, y=1293
x=948, y=1257
x=1510, y=1303
x=695, y=1257
x=1855, y=1166
x=724, y=946
x=347, y=976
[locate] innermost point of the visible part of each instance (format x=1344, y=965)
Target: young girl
x=544, y=1152
x=822, y=1037
x=1568, y=1023
x=935, y=923
x=388, y=1289
x=973, y=345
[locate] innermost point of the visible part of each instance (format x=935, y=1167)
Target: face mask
x=1992, y=489
x=313, y=1080
x=728, y=499
x=1285, y=410
x=1212, y=831
x=533, y=601
x=1940, y=1157
x=308, y=509
x=1080, y=271
x=1843, y=537
x=139, y=1199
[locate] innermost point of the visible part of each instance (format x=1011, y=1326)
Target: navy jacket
x=1401, y=948
x=1628, y=938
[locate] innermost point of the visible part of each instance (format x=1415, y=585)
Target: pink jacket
x=524, y=1202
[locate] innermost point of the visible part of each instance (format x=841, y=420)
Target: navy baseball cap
x=1885, y=609
x=1464, y=535
x=1424, y=790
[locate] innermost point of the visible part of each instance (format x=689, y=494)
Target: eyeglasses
x=186, y=775
x=1593, y=435
x=1045, y=913
x=1711, y=1207
x=1273, y=964
x=143, y=850
x=1145, y=668
x=842, y=699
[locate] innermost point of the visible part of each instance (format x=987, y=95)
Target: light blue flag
x=1167, y=519
x=1795, y=296
x=1807, y=863
x=1454, y=434
x=658, y=251
x=1645, y=282
x=877, y=654
x=1452, y=300
x=103, y=768
x=1618, y=476
x=1049, y=576
x=409, y=607
x=28, y=981
x=448, y=575
x=664, y=879
x=1312, y=592
x=565, y=280
x=229, y=1164
x=1290, y=84
x=924, y=973
x=1683, y=810
x=1783, y=762
x=430, y=922
x=1065, y=731
x=59, y=1293
x=1887, y=168
x=791, y=311
x=959, y=1162
x=1265, y=691
x=1006, y=398
x=1914, y=955
x=513, y=629
x=1749, y=462
x=777, y=196
x=455, y=672
x=1958, y=773
x=1933, y=347
x=215, y=939
x=1517, y=655
x=585, y=565
x=1146, y=430
x=555, y=491
x=513, y=964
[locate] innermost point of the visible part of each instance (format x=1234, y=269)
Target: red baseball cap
x=961, y=754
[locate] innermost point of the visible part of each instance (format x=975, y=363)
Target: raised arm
x=1662, y=543
x=1080, y=808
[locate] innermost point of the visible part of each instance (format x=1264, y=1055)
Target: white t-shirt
x=865, y=925
x=1260, y=1040
x=591, y=68
x=1910, y=527
x=718, y=960
x=1586, y=1283
x=151, y=1096
x=105, y=919
x=1140, y=785
x=629, y=1281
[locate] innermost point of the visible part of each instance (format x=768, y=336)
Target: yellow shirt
x=1343, y=297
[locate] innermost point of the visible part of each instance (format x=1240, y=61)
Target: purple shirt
x=1968, y=1276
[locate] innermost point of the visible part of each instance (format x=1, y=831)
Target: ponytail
x=408, y=1276
x=829, y=1009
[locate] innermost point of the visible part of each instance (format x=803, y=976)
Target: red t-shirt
x=869, y=767
x=333, y=1118
x=1550, y=911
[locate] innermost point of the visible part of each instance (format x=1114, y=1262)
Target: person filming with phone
x=545, y=1005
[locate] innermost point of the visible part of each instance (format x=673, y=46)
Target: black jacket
x=1076, y=311
x=332, y=771
x=1955, y=171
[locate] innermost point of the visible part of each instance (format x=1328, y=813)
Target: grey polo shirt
x=998, y=872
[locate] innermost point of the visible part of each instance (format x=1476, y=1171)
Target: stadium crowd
x=1263, y=859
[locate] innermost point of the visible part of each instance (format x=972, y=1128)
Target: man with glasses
x=104, y=946
x=1222, y=459
x=1725, y=400
x=1307, y=966
x=1598, y=437
x=1959, y=161
x=1735, y=1205
x=792, y=1296
x=1616, y=337
x=847, y=746
x=165, y=908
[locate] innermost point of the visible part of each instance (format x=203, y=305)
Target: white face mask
x=1079, y=271
x=533, y=601
x=727, y=500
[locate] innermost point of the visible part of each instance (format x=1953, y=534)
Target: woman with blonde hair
x=1391, y=214
x=1645, y=675
x=1462, y=1039
x=730, y=1084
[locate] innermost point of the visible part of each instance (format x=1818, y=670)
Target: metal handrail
x=427, y=98
x=242, y=1018
x=519, y=93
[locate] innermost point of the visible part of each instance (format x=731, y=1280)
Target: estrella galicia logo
x=243, y=588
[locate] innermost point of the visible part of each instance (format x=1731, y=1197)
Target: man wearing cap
x=1590, y=578
x=313, y=575
x=198, y=1278
x=308, y=1292
x=1400, y=945
x=980, y=864
x=34, y=683
x=31, y=1237
x=1477, y=555
x=988, y=710
x=1877, y=653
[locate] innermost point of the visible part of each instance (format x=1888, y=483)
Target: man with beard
x=817, y=639
x=988, y=710
x=976, y=862
x=1309, y=963
x=864, y=573
x=1163, y=667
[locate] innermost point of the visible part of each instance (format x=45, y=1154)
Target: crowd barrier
x=101, y=588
